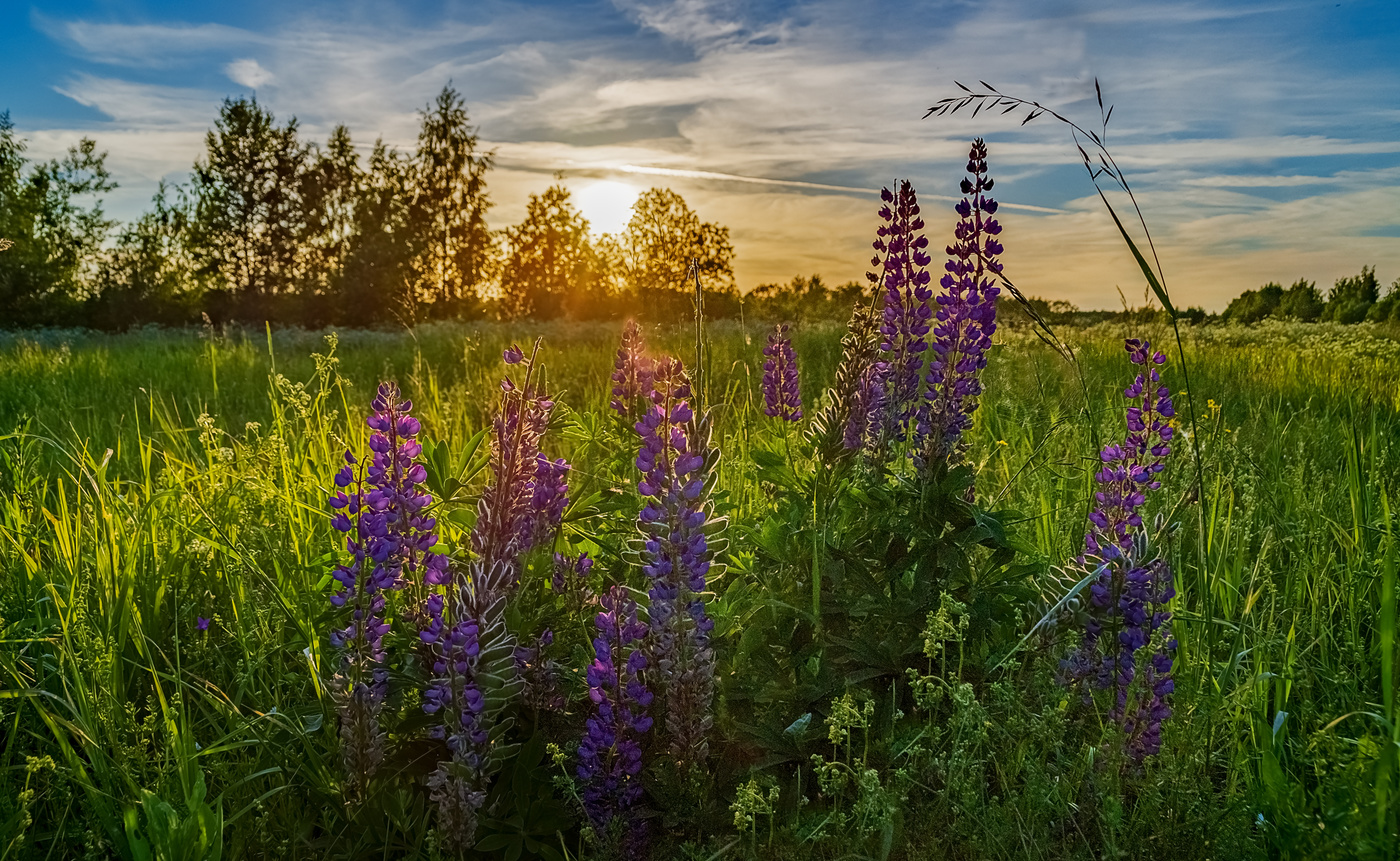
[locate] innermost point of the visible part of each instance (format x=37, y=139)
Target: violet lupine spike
x=506, y=515
x=1129, y=470
x=966, y=316
x=905, y=279
x=391, y=549
x=1132, y=587
x=610, y=754
x=782, y=399
x=455, y=694
x=631, y=372
x=675, y=459
x=472, y=640
x=866, y=419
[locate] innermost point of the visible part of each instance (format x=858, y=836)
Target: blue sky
x=1263, y=137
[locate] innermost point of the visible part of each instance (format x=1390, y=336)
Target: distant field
x=211, y=504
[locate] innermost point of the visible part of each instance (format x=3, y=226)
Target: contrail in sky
x=793, y=183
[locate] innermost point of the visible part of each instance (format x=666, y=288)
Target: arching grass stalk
x=1100, y=164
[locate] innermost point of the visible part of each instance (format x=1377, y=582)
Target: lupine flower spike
x=519, y=508
x=631, y=372
x=782, y=399
x=966, y=316
x=904, y=279
x=390, y=542
x=610, y=754
x=677, y=463
x=855, y=401
x=1126, y=613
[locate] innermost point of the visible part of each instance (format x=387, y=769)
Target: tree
x=148, y=275
x=550, y=264
x=1388, y=308
x=331, y=188
x=1350, y=298
x=56, y=238
x=1251, y=306
x=449, y=207
x=250, y=226
x=661, y=239
x=803, y=299
x=1300, y=302
x=376, y=281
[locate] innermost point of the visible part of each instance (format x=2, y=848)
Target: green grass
x=154, y=477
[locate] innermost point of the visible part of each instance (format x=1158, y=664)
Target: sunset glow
x=607, y=204
x=1238, y=123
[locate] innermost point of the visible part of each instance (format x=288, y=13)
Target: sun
x=607, y=204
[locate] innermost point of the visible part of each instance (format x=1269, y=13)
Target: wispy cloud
x=146, y=45
x=133, y=105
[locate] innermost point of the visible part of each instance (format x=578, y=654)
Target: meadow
x=166, y=559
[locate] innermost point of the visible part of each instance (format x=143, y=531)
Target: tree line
x=271, y=226
x=1354, y=299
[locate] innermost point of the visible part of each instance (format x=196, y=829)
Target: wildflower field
x=916, y=587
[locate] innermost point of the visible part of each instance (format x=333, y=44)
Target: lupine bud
x=631, y=372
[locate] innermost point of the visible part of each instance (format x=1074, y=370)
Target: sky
x=1262, y=139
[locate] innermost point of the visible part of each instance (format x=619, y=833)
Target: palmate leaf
x=451, y=468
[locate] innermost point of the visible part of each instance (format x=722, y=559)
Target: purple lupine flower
x=396, y=493
x=866, y=418
x=456, y=696
x=966, y=316
x=610, y=754
x=360, y=682
x=390, y=544
x=506, y=516
x=548, y=498
x=1132, y=585
x=675, y=460
x=781, y=397
x=905, y=280
x=201, y=623
x=1129, y=470
x=631, y=372
x=473, y=642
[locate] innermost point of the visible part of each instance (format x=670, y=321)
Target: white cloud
x=694, y=22
x=248, y=73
